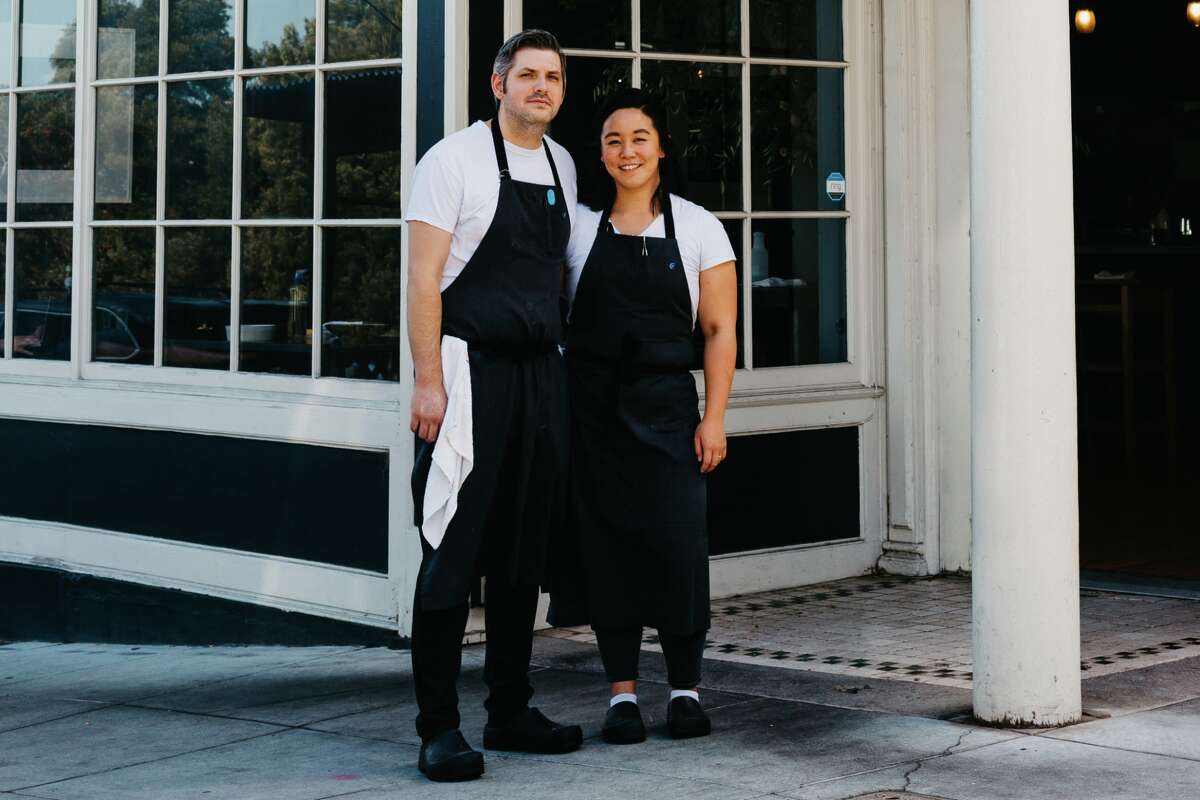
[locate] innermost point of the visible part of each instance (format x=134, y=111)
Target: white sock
x=692, y=693
x=625, y=697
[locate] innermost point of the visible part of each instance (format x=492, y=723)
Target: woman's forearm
x=720, y=359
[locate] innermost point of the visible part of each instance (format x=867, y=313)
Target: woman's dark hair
x=598, y=189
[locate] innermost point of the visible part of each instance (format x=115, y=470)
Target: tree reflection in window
x=704, y=103
x=361, y=30
x=280, y=32
x=201, y=35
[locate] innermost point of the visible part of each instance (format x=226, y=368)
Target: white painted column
x=1026, y=513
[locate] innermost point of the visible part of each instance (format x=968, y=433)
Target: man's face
x=533, y=91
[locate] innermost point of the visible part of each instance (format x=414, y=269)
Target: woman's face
x=630, y=149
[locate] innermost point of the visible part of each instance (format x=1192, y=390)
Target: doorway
x=1136, y=117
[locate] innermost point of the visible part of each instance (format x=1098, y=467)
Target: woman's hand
x=710, y=443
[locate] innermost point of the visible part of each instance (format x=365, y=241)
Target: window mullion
x=81, y=266
x=160, y=192
x=235, y=279
x=315, y=306
x=635, y=42
x=10, y=288
x=747, y=198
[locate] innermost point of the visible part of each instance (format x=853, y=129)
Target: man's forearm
x=425, y=331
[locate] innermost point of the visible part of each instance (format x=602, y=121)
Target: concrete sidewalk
x=110, y=721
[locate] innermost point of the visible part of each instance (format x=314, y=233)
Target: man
x=489, y=222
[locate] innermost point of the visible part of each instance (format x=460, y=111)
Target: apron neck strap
x=668, y=218
x=502, y=156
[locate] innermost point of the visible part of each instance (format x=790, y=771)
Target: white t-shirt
x=703, y=243
x=457, y=184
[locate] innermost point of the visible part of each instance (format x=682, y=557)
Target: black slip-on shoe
x=686, y=719
x=623, y=724
x=531, y=732
x=448, y=757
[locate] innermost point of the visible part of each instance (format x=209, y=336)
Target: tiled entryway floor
x=920, y=629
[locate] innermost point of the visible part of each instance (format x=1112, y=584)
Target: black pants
x=437, y=657
x=684, y=653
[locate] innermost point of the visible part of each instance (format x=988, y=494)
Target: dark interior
x=1136, y=117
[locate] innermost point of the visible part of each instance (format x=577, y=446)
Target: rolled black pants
x=437, y=657
x=684, y=654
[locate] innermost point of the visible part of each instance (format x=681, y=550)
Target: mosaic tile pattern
x=919, y=629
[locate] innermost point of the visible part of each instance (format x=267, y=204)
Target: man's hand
x=428, y=248
x=428, y=410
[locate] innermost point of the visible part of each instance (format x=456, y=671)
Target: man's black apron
x=505, y=305
x=639, y=502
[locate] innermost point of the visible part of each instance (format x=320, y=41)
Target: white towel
x=454, y=453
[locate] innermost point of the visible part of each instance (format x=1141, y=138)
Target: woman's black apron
x=639, y=501
x=505, y=305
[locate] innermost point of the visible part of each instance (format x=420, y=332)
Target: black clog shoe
x=448, y=757
x=623, y=724
x=686, y=719
x=531, y=732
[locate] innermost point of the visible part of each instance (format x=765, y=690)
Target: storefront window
x=37, y=177
x=757, y=107
x=273, y=190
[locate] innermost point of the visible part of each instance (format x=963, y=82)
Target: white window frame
x=84, y=222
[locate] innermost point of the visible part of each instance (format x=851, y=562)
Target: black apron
x=505, y=305
x=638, y=499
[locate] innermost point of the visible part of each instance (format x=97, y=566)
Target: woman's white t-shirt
x=703, y=243
x=456, y=187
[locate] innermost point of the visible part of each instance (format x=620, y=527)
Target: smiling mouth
x=628, y=167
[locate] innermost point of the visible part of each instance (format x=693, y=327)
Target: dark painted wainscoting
x=322, y=504
x=52, y=606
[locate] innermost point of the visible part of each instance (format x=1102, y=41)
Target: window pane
x=4, y=101
x=590, y=80
x=277, y=148
x=5, y=44
x=45, y=155
x=595, y=24
x=276, y=309
x=127, y=38
x=798, y=274
x=705, y=26
x=362, y=162
x=199, y=149
x=357, y=30
x=42, y=291
x=126, y=143
x=796, y=29
x=3, y=289
x=47, y=42
x=360, y=337
x=201, y=35
x=733, y=227
x=280, y=32
x=123, y=306
x=704, y=102
x=196, y=321
x=797, y=120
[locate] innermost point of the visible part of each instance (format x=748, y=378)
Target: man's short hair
x=534, y=39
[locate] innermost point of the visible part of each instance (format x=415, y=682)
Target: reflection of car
x=197, y=331
x=41, y=329
x=123, y=328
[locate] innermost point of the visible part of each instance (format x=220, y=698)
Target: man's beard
x=525, y=117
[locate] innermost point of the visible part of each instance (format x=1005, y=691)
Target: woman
x=645, y=266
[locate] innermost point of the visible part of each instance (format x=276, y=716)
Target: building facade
x=205, y=377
